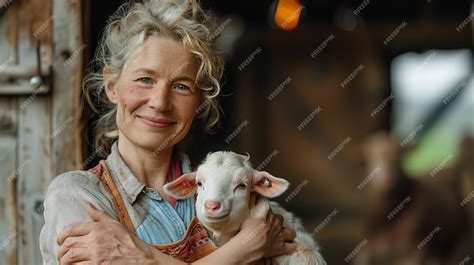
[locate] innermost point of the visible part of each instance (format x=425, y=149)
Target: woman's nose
x=160, y=97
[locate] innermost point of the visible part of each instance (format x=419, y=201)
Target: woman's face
x=155, y=94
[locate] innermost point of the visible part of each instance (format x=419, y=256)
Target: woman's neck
x=149, y=167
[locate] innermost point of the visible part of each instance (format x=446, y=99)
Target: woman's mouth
x=155, y=122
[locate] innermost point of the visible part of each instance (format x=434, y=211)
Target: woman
x=158, y=73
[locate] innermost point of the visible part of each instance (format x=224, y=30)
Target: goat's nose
x=212, y=205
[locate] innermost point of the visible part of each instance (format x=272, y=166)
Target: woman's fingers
x=289, y=248
x=277, y=222
x=76, y=229
x=288, y=234
x=74, y=255
x=98, y=216
x=71, y=242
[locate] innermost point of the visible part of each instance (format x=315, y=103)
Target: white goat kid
x=224, y=183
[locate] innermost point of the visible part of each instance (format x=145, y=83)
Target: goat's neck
x=221, y=238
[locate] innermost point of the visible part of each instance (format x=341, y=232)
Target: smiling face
x=155, y=94
x=223, y=194
x=224, y=183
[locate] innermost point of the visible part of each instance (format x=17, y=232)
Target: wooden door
x=39, y=123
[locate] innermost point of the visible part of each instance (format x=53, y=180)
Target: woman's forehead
x=162, y=55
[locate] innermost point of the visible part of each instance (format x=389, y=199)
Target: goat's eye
x=199, y=183
x=242, y=186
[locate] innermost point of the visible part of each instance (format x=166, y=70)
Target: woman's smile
x=156, y=122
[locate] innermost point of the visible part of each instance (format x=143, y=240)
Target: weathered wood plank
x=67, y=68
x=8, y=142
x=34, y=129
x=34, y=146
x=9, y=172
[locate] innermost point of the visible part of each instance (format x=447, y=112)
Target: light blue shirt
x=164, y=224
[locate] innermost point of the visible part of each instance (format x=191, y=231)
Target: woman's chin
x=154, y=143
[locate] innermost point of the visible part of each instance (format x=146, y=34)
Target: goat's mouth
x=214, y=219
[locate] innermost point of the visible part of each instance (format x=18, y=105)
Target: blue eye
x=182, y=87
x=144, y=80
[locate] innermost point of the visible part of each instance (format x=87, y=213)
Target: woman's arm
x=106, y=240
x=65, y=203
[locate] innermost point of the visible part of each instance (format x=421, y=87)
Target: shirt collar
x=124, y=177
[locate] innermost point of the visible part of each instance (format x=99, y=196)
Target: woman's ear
x=109, y=85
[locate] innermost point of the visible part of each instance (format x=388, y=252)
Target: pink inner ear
x=274, y=188
x=182, y=187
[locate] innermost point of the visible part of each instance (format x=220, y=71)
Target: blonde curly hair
x=128, y=28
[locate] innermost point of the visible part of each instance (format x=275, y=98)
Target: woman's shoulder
x=75, y=180
x=74, y=188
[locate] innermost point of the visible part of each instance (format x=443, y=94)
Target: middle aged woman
x=158, y=73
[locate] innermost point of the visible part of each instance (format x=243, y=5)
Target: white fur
x=219, y=175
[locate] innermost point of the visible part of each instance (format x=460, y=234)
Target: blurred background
x=366, y=107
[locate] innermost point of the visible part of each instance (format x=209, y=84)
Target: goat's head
x=224, y=183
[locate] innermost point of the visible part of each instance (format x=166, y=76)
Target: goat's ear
x=267, y=185
x=182, y=187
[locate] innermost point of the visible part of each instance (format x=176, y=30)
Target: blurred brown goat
x=416, y=220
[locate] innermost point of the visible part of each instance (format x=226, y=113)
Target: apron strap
x=106, y=178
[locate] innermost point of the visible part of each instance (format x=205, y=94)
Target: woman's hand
x=262, y=233
x=102, y=241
